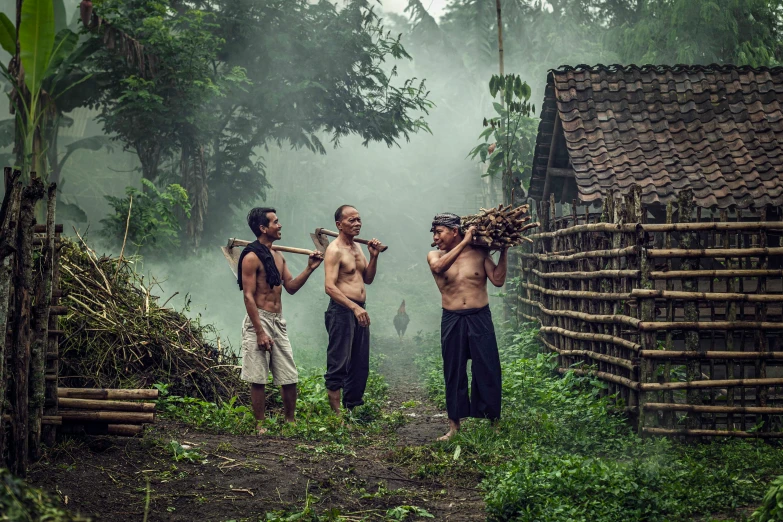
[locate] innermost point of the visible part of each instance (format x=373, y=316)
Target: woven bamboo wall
x=678, y=309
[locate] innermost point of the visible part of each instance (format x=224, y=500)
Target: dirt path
x=245, y=477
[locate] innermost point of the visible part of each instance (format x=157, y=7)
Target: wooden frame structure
x=681, y=319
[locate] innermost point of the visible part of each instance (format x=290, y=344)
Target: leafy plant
x=181, y=452
x=403, y=512
x=512, y=133
x=154, y=225
x=771, y=508
x=562, y=453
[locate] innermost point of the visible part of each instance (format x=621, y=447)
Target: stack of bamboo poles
x=501, y=227
x=114, y=412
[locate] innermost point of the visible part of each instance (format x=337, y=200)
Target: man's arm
x=497, y=273
x=369, y=272
x=250, y=268
x=293, y=284
x=331, y=273
x=439, y=265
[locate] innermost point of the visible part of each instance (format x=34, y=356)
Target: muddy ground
x=245, y=477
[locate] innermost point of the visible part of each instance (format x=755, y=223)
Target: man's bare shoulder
x=435, y=254
x=250, y=260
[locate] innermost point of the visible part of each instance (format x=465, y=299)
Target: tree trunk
x=23, y=283
x=149, y=156
x=193, y=169
x=40, y=327
x=9, y=217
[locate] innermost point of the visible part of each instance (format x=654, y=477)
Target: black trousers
x=469, y=334
x=348, y=354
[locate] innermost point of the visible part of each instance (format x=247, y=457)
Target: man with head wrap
x=261, y=274
x=461, y=272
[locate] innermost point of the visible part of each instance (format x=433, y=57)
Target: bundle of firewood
x=500, y=227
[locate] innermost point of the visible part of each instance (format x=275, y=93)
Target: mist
x=396, y=189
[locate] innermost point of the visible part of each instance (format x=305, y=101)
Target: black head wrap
x=446, y=219
x=267, y=260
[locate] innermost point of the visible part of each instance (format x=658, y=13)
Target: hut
x=657, y=268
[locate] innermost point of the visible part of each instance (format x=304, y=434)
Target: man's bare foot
x=447, y=436
x=453, y=429
x=260, y=430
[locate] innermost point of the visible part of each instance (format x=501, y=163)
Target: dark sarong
x=348, y=354
x=469, y=334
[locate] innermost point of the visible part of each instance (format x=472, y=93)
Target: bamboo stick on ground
x=99, y=393
x=106, y=405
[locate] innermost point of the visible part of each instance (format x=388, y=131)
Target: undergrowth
x=21, y=503
x=314, y=418
x=561, y=453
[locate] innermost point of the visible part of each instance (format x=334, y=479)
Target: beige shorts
x=257, y=363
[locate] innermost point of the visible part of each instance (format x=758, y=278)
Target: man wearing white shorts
x=262, y=273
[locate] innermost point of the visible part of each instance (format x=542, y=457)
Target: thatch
x=117, y=335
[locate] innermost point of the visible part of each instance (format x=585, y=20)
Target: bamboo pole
x=661, y=227
x=713, y=409
x=118, y=417
x=102, y=393
x=717, y=383
x=124, y=430
x=49, y=420
x=715, y=433
x=714, y=252
x=578, y=293
x=589, y=336
x=612, y=252
x=625, y=363
x=22, y=337
x=678, y=274
x=706, y=296
x=40, y=328
x=683, y=354
x=9, y=217
x=591, y=318
x=628, y=383
x=105, y=405
x=597, y=274
x=709, y=325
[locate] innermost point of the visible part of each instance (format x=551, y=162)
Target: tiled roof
x=715, y=129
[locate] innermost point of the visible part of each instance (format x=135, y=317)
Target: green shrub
x=563, y=452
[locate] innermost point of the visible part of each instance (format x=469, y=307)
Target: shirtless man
x=461, y=272
x=346, y=271
x=262, y=274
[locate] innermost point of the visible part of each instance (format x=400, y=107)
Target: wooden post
x=9, y=220
x=40, y=328
x=762, y=392
x=23, y=286
x=49, y=431
x=691, y=311
x=646, y=313
x=668, y=416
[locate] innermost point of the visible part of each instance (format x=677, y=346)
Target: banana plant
x=47, y=60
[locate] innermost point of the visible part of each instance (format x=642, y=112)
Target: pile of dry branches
x=116, y=335
x=501, y=227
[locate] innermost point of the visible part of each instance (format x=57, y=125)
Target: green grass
x=562, y=454
x=315, y=420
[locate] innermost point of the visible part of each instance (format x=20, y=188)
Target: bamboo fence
x=678, y=309
x=31, y=404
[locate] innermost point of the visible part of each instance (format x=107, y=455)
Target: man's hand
x=315, y=260
x=469, y=233
x=374, y=246
x=264, y=342
x=362, y=316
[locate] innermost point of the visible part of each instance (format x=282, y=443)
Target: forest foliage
x=199, y=90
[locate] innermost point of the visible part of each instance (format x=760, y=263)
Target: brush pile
x=501, y=227
x=116, y=335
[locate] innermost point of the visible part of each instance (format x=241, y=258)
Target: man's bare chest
x=469, y=269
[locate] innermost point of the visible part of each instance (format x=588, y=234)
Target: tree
x=236, y=76
x=509, y=153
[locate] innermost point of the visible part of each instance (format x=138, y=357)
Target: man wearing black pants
x=461, y=272
x=347, y=322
